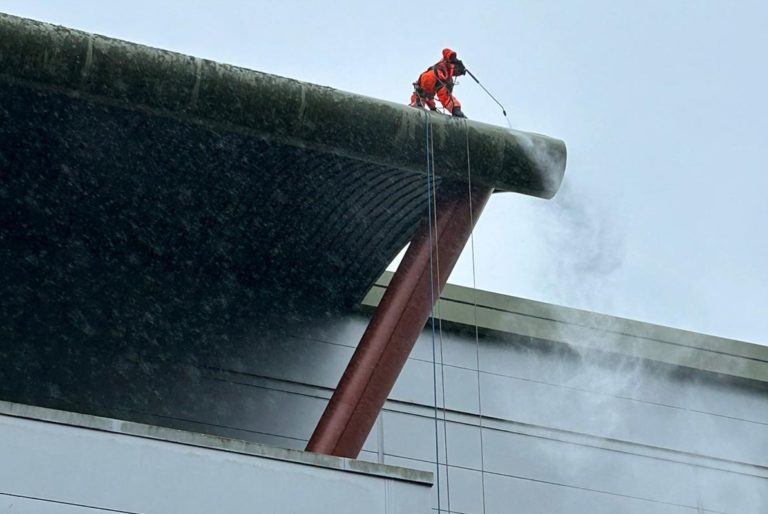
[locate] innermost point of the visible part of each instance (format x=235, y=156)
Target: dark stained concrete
x=153, y=203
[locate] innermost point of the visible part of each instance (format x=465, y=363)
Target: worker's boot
x=457, y=112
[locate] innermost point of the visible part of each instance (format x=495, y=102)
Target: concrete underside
x=112, y=217
x=151, y=199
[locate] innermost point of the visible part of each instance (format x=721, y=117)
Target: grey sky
x=662, y=105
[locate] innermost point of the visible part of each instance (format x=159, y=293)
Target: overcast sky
x=662, y=104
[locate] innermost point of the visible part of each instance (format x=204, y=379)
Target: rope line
x=474, y=303
x=440, y=331
x=430, y=213
x=434, y=271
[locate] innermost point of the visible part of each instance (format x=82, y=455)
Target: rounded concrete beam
x=274, y=108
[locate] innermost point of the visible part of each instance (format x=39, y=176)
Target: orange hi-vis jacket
x=437, y=80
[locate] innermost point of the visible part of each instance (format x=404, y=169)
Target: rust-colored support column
x=397, y=322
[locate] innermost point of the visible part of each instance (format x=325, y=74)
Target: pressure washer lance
x=489, y=94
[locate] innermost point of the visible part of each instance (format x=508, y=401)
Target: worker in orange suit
x=438, y=80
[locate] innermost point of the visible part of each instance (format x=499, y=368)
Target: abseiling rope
x=474, y=303
x=434, y=269
x=430, y=213
x=440, y=331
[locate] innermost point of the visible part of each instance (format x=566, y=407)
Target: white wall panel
x=52, y=467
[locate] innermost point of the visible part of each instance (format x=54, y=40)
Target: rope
x=474, y=302
x=440, y=332
x=434, y=269
x=430, y=213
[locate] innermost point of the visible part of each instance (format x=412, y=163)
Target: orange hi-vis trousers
x=427, y=87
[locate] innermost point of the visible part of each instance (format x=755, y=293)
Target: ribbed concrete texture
x=150, y=198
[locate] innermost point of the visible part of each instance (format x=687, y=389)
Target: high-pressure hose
x=503, y=110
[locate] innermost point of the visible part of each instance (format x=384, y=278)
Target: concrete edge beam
x=159, y=82
x=211, y=442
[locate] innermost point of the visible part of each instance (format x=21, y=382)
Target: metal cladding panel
x=568, y=411
x=588, y=467
x=63, y=469
x=581, y=428
x=612, y=416
x=519, y=495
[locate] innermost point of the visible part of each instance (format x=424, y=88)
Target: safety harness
x=420, y=93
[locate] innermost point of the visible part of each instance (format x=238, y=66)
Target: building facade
x=567, y=412
x=191, y=253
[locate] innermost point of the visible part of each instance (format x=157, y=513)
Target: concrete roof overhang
x=140, y=180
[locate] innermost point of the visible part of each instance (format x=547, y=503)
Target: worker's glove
x=457, y=112
x=459, y=68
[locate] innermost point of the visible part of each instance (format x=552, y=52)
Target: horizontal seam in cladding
x=538, y=436
x=619, y=397
x=72, y=504
x=259, y=386
x=592, y=437
x=217, y=425
x=452, y=511
x=213, y=447
x=608, y=331
x=495, y=429
x=558, y=484
x=552, y=384
x=503, y=430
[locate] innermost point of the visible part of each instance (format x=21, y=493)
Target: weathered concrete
x=277, y=109
x=151, y=198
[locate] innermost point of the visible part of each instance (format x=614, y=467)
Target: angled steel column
x=397, y=322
